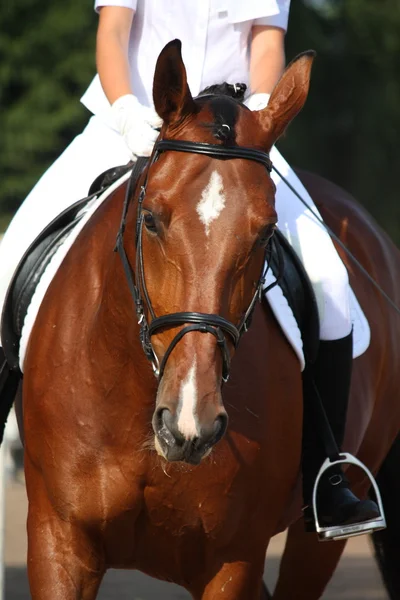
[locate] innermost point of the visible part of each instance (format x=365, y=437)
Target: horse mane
x=225, y=113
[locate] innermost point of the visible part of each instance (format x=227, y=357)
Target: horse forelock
x=225, y=112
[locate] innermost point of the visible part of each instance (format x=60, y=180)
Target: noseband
x=194, y=321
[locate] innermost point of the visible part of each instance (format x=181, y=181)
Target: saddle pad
x=277, y=301
x=284, y=315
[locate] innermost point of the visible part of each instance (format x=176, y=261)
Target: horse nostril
x=164, y=425
x=220, y=425
x=160, y=424
x=158, y=420
x=167, y=419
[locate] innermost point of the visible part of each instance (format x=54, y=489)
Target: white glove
x=257, y=101
x=136, y=123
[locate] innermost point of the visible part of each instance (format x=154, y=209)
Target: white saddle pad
x=284, y=315
x=275, y=297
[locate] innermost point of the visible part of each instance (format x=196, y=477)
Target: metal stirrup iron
x=335, y=457
x=341, y=532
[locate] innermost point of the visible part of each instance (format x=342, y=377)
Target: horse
x=186, y=476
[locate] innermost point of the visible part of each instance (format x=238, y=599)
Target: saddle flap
x=298, y=291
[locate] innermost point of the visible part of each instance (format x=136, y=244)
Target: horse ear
x=171, y=95
x=287, y=98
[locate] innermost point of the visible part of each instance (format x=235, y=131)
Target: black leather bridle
x=193, y=321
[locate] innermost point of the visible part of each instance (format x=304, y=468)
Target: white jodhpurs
x=314, y=246
x=96, y=149
x=99, y=148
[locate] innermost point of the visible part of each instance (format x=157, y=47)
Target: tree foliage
x=47, y=60
x=348, y=131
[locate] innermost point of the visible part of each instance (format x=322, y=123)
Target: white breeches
x=99, y=148
x=315, y=248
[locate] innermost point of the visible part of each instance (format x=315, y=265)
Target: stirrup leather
x=340, y=532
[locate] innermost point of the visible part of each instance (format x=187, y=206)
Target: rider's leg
x=68, y=179
x=332, y=370
x=314, y=246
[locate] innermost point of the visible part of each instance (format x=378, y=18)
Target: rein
x=213, y=324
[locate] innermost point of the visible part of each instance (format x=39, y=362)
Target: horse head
x=205, y=219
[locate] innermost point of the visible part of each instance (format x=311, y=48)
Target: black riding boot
x=337, y=505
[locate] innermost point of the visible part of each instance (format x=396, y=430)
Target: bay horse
x=124, y=470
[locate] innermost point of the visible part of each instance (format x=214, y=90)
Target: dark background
x=349, y=131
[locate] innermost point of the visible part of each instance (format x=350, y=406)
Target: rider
x=231, y=41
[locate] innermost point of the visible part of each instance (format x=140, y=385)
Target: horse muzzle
x=187, y=446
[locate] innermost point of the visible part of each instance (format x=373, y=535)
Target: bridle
x=216, y=325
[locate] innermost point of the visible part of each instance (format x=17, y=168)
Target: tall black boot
x=331, y=374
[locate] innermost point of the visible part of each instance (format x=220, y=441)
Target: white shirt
x=215, y=37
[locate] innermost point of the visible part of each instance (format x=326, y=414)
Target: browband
x=215, y=150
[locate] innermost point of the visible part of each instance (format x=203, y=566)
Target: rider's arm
x=267, y=57
x=115, y=23
x=136, y=123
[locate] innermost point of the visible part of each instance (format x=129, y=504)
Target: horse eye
x=150, y=223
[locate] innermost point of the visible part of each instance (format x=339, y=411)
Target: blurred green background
x=348, y=132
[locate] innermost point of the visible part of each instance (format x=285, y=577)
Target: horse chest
x=178, y=512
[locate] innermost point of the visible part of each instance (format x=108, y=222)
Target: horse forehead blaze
x=212, y=201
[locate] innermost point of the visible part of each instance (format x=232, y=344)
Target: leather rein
x=216, y=325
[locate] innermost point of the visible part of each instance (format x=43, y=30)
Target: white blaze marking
x=187, y=422
x=212, y=201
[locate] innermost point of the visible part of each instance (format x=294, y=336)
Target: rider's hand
x=136, y=123
x=257, y=101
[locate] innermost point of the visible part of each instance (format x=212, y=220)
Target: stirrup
x=340, y=532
